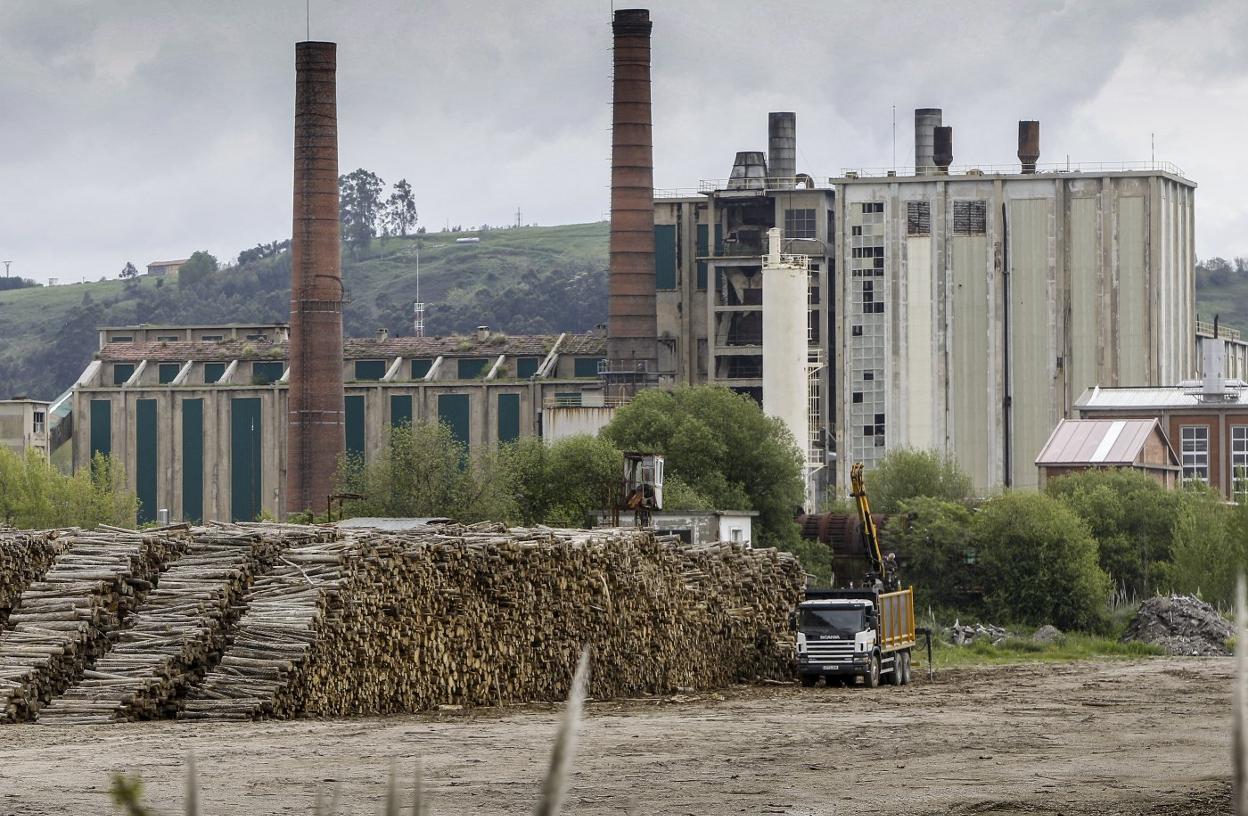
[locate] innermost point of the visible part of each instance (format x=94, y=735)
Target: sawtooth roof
x=359, y=348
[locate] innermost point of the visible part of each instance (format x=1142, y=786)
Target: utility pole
x=6, y=267
x=517, y=216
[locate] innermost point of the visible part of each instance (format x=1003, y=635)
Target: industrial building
x=24, y=425
x=961, y=309
x=1206, y=421
x=1086, y=444
x=198, y=415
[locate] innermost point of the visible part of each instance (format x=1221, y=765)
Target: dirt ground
x=1150, y=736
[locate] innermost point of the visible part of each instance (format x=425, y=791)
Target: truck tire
x=808, y=680
x=872, y=678
x=905, y=666
x=897, y=674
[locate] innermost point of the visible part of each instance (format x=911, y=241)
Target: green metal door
x=193, y=460
x=145, y=460
x=453, y=410
x=245, y=459
x=355, y=425
x=508, y=417
x=401, y=409
x=101, y=427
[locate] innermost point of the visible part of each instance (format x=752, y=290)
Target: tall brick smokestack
x=316, y=432
x=632, y=328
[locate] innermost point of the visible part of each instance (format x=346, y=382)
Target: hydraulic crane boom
x=870, y=534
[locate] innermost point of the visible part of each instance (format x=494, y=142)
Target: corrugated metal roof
x=1162, y=398
x=1097, y=442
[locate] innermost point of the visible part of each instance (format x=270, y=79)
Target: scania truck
x=866, y=632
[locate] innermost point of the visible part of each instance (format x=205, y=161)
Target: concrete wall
x=990, y=334
x=24, y=426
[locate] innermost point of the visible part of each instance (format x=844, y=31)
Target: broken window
x=969, y=217
x=38, y=422
x=918, y=218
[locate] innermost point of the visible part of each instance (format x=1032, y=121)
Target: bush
x=935, y=537
x=1039, y=563
x=1209, y=548
x=906, y=473
x=34, y=494
x=1130, y=515
x=562, y=483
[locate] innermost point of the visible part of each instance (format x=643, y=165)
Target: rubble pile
x=964, y=634
x=1182, y=625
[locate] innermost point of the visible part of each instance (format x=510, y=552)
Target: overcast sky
x=146, y=129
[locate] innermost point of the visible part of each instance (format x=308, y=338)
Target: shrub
x=1130, y=515
x=1209, y=548
x=1039, y=563
x=906, y=473
x=935, y=536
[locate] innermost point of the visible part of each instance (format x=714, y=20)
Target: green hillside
x=525, y=280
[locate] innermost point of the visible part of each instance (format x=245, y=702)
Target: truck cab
x=843, y=634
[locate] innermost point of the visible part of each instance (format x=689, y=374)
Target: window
x=918, y=218
x=800, y=224
x=38, y=422
x=420, y=367
x=1239, y=462
x=212, y=338
x=527, y=366
x=167, y=338
x=372, y=370
x=1195, y=441
x=259, y=338
x=969, y=217
x=122, y=372
x=213, y=372
x=168, y=372
x=264, y=373
x=121, y=338
x=469, y=368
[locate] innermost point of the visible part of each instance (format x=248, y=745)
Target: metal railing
x=1205, y=327
x=757, y=184
x=1016, y=169
x=577, y=401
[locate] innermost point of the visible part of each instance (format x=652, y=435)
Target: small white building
x=24, y=425
x=696, y=526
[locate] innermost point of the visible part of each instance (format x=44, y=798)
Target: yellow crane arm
x=870, y=535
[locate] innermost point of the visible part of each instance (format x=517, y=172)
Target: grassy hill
x=526, y=280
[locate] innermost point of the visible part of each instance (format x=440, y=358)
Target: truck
x=866, y=631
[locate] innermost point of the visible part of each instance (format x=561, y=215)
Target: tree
x=35, y=494
x=565, y=482
x=197, y=270
x=941, y=560
x=1132, y=518
x=906, y=473
x=359, y=207
x=1209, y=548
x=721, y=445
x=129, y=272
x=1038, y=563
x=424, y=471
x=400, y=213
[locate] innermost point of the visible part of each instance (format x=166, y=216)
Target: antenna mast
x=419, y=306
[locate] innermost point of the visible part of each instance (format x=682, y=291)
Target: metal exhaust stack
x=781, y=150
x=942, y=149
x=632, y=329
x=1028, y=144
x=926, y=120
x=316, y=431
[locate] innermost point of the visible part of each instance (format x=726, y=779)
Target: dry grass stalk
x=556, y=782
x=1239, y=732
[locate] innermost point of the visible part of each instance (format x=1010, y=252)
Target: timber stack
x=25, y=556
x=385, y=623
x=178, y=634
x=62, y=623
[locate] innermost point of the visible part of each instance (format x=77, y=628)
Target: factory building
x=198, y=414
x=956, y=309
x=24, y=425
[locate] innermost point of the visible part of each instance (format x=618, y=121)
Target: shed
x=1080, y=444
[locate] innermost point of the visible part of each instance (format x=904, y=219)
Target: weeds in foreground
x=127, y=791
x=1074, y=646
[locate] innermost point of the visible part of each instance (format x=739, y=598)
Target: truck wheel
x=905, y=668
x=808, y=680
x=872, y=678
x=897, y=674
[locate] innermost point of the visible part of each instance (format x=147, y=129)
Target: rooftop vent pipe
x=781, y=150
x=316, y=422
x=1029, y=144
x=632, y=330
x=942, y=149
x=749, y=171
x=926, y=120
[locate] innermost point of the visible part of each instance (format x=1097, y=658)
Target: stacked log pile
x=180, y=632
x=25, y=556
x=63, y=621
x=384, y=623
